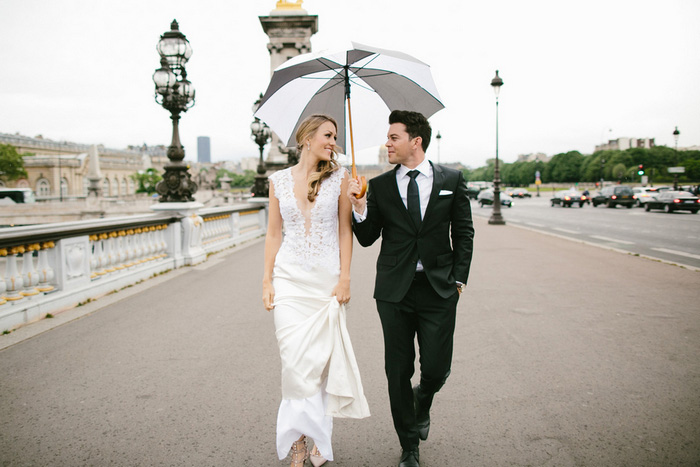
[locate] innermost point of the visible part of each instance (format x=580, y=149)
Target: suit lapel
x=438, y=178
x=394, y=197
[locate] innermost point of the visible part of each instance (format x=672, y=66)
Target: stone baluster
x=94, y=257
x=100, y=255
x=121, y=252
x=145, y=245
x=13, y=279
x=30, y=275
x=3, y=287
x=152, y=244
x=226, y=223
x=129, y=248
x=111, y=251
x=46, y=272
x=104, y=254
x=162, y=245
x=138, y=246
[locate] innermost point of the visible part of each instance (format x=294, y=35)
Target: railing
x=48, y=268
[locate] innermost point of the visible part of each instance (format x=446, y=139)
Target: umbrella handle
x=363, y=180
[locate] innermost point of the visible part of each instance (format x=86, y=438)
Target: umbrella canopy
x=377, y=81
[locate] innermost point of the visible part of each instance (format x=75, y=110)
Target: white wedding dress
x=320, y=377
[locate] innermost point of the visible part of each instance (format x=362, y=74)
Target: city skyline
x=574, y=77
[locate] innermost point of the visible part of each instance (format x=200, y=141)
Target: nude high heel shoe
x=316, y=458
x=300, y=452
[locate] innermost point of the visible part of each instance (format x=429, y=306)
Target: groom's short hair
x=416, y=125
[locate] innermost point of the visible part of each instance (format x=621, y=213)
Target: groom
x=422, y=212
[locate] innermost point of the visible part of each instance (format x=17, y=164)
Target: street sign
x=645, y=179
x=676, y=170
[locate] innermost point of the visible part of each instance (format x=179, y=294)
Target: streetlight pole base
x=176, y=186
x=497, y=219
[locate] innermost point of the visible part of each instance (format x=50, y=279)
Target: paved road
x=553, y=365
x=671, y=237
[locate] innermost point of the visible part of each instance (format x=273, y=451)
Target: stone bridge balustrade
x=52, y=267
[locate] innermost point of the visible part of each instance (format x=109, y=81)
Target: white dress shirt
x=425, y=188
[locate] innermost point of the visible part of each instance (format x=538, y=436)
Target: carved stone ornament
x=75, y=258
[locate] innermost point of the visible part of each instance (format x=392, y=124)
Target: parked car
x=642, y=195
x=474, y=188
x=612, y=196
x=518, y=193
x=16, y=195
x=567, y=198
x=485, y=198
x=671, y=201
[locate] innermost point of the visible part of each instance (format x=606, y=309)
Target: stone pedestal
x=191, y=249
x=289, y=28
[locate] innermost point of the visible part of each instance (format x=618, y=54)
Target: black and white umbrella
x=378, y=80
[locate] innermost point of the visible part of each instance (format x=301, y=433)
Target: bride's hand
x=268, y=296
x=341, y=292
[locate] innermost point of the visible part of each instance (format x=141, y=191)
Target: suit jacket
x=444, y=241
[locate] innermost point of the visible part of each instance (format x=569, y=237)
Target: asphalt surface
x=566, y=355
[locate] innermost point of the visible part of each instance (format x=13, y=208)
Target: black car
x=567, y=198
x=612, y=196
x=671, y=201
x=474, y=188
x=485, y=198
x=518, y=193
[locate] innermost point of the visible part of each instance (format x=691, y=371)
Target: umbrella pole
x=352, y=150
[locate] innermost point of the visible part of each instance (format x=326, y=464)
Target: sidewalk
x=565, y=355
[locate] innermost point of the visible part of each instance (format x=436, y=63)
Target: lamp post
x=176, y=94
x=261, y=134
x=676, y=134
x=438, y=137
x=496, y=217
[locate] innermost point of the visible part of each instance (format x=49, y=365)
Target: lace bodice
x=319, y=246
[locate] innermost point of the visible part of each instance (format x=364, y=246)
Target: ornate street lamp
x=176, y=94
x=261, y=134
x=676, y=134
x=496, y=217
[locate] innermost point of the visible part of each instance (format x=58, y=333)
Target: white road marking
x=565, y=230
x=613, y=240
x=675, y=252
x=533, y=224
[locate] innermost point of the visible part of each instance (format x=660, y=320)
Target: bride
x=306, y=281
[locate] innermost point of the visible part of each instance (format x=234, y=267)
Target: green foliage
x=574, y=167
x=245, y=180
x=11, y=163
x=619, y=172
x=147, y=180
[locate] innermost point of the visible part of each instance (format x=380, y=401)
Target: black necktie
x=413, y=198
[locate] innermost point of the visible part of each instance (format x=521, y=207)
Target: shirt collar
x=423, y=167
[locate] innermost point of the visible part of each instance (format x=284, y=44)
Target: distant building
x=626, y=143
x=203, y=149
x=539, y=156
x=59, y=169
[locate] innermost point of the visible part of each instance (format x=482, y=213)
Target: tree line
x=610, y=165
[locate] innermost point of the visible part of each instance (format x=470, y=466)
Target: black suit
x=411, y=303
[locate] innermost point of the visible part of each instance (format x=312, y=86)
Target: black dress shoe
x=409, y=458
x=422, y=415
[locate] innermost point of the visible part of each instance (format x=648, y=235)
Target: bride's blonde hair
x=324, y=169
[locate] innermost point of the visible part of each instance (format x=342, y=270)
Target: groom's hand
x=355, y=188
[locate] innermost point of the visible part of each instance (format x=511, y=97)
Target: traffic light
x=641, y=169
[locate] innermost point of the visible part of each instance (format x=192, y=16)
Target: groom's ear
x=417, y=142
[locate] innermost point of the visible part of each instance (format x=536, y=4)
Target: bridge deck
x=565, y=355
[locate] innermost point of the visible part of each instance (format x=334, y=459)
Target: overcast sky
x=575, y=73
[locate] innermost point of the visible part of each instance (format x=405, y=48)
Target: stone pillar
x=94, y=174
x=289, y=28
